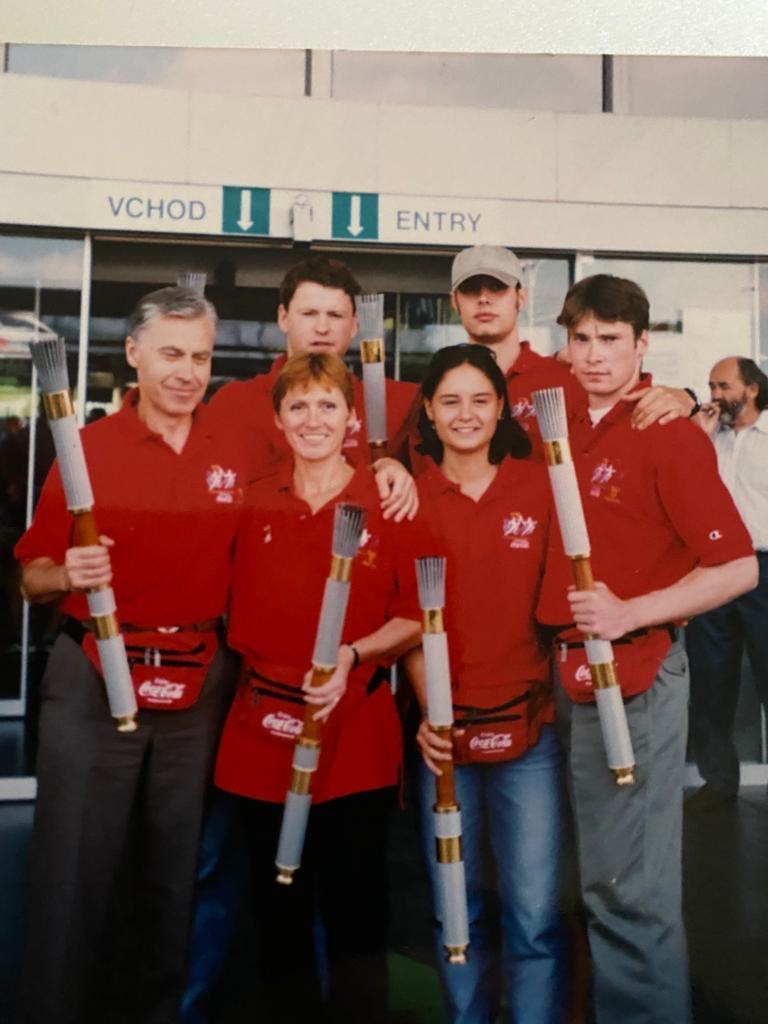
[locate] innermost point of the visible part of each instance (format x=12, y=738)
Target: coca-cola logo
x=491, y=741
x=280, y=723
x=583, y=675
x=163, y=691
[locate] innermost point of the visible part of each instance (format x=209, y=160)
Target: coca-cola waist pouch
x=168, y=669
x=638, y=658
x=272, y=705
x=498, y=732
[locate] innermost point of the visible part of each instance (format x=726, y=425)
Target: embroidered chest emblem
x=604, y=482
x=266, y=533
x=350, y=438
x=517, y=528
x=523, y=409
x=367, y=551
x=222, y=483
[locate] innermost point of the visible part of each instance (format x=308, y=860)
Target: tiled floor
x=726, y=904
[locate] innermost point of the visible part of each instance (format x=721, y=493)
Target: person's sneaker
x=708, y=800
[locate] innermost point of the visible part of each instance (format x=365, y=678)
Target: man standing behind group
x=737, y=421
x=317, y=313
x=667, y=543
x=488, y=294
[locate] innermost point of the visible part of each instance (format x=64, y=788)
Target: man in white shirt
x=737, y=421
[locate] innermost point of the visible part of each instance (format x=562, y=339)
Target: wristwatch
x=696, y=402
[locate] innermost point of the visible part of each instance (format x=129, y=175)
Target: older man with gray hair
x=118, y=814
x=737, y=421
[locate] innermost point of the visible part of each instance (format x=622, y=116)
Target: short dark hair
x=751, y=373
x=608, y=298
x=509, y=438
x=324, y=270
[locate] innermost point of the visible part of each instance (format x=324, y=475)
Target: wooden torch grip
x=312, y=729
x=84, y=529
x=582, y=573
x=444, y=784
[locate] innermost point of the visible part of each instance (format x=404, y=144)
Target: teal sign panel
x=355, y=215
x=245, y=211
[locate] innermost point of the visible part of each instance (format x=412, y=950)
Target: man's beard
x=730, y=411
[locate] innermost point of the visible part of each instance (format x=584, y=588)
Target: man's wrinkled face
x=728, y=390
x=172, y=359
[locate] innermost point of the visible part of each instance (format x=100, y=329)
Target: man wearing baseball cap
x=488, y=294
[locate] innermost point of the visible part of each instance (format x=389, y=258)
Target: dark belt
x=626, y=639
x=271, y=688
x=76, y=629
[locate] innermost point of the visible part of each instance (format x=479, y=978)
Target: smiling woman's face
x=465, y=409
x=315, y=420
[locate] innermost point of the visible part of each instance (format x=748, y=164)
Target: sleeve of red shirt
x=695, y=497
x=410, y=540
x=51, y=529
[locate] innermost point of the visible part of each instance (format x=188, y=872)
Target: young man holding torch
x=118, y=814
x=668, y=543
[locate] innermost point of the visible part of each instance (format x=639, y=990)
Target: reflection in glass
x=728, y=87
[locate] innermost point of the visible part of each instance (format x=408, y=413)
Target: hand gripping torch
x=50, y=360
x=430, y=573
x=551, y=414
x=347, y=530
x=371, y=312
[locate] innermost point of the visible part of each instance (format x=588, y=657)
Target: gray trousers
x=114, y=848
x=629, y=852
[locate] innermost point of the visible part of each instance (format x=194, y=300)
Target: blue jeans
x=515, y=807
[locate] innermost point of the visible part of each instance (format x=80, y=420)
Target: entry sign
x=245, y=211
x=355, y=215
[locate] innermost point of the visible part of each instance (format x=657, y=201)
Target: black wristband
x=355, y=656
x=696, y=402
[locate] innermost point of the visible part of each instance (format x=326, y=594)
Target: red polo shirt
x=245, y=406
x=282, y=562
x=655, y=507
x=496, y=548
x=173, y=517
x=530, y=372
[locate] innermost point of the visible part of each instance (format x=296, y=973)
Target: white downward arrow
x=354, y=227
x=245, y=221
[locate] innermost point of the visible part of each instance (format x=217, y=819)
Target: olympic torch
x=348, y=524
x=430, y=573
x=50, y=360
x=551, y=414
x=371, y=313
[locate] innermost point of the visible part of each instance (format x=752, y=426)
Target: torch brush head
x=370, y=312
x=551, y=413
x=50, y=359
x=430, y=574
x=348, y=523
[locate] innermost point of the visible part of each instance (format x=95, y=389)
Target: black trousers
x=337, y=906
x=114, y=848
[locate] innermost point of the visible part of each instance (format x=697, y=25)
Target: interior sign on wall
x=245, y=210
x=446, y=221
x=151, y=207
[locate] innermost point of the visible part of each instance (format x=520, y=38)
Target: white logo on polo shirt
x=603, y=473
x=519, y=527
x=221, y=482
x=523, y=409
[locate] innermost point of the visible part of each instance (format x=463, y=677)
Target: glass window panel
x=40, y=282
x=700, y=312
x=513, y=81
x=728, y=87
x=241, y=71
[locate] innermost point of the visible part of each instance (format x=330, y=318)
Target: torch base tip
x=285, y=876
x=127, y=723
x=624, y=776
x=456, y=954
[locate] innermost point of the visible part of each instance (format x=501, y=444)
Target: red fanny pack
x=502, y=732
x=638, y=659
x=270, y=709
x=168, y=669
